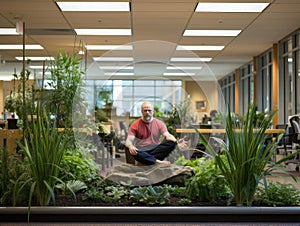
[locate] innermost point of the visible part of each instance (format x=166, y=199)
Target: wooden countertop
x=271, y=131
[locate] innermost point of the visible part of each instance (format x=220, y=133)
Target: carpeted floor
x=153, y=224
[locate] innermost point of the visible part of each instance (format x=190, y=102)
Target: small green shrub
x=77, y=165
x=207, y=184
x=11, y=168
x=115, y=193
x=185, y=202
x=71, y=186
x=175, y=190
x=150, y=196
x=95, y=187
x=278, y=194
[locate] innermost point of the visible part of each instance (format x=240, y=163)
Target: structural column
x=236, y=101
x=275, y=83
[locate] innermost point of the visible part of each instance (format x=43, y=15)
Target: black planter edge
x=151, y=214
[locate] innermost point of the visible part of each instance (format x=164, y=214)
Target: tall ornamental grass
x=247, y=154
x=43, y=148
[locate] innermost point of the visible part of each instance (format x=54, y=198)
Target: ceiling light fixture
x=121, y=73
x=231, y=7
x=7, y=77
x=116, y=68
x=81, y=52
x=103, y=31
x=211, y=32
x=200, y=48
x=178, y=74
x=183, y=68
x=8, y=31
x=112, y=59
x=36, y=58
x=94, y=6
x=108, y=47
x=21, y=47
x=191, y=59
x=38, y=67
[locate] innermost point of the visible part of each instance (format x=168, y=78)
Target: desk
x=269, y=131
x=8, y=138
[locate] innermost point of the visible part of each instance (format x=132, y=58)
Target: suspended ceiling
x=157, y=27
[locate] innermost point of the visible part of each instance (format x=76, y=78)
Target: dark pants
x=149, y=154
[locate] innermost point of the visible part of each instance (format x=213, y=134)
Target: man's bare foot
x=163, y=162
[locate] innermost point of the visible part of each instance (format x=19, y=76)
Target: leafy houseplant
x=244, y=158
x=22, y=101
x=66, y=82
x=207, y=184
x=105, y=96
x=173, y=121
x=180, y=115
x=278, y=194
x=184, y=110
x=150, y=195
x=12, y=101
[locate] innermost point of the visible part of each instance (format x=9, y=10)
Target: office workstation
x=91, y=69
x=162, y=71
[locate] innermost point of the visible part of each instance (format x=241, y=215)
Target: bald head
x=146, y=104
x=147, y=111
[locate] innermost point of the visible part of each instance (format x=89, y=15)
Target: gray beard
x=148, y=118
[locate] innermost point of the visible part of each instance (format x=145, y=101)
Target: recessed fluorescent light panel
x=37, y=67
x=46, y=73
x=200, y=48
x=94, y=6
x=230, y=7
x=121, y=73
x=113, y=59
x=8, y=31
x=108, y=47
x=116, y=68
x=103, y=31
x=190, y=59
x=183, y=68
x=81, y=52
x=211, y=32
x=178, y=74
x=36, y=58
x=21, y=47
x=40, y=67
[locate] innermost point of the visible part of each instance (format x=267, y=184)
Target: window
x=227, y=85
x=289, y=81
x=264, y=82
x=128, y=95
x=246, y=87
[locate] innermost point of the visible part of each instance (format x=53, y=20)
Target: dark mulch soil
x=173, y=201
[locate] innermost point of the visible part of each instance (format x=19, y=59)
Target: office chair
x=123, y=129
x=120, y=142
x=294, y=136
x=295, y=125
x=286, y=142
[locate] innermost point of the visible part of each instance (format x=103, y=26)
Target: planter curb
x=151, y=214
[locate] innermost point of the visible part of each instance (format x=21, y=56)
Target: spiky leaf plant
x=43, y=148
x=247, y=154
